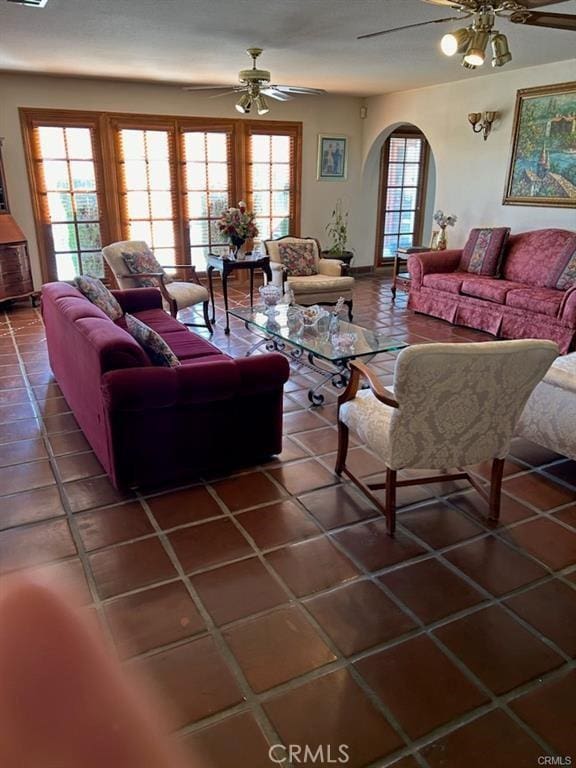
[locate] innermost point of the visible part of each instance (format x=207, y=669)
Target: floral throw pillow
x=144, y=261
x=482, y=253
x=298, y=259
x=96, y=292
x=153, y=344
x=567, y=277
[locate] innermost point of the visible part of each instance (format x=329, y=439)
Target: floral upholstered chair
x=452, y=406
x=296, y=263
x=134, y=266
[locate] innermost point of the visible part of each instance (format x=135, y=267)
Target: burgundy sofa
x=520, y=303
x=152, y=425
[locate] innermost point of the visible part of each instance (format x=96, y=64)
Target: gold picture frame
x=542, y=167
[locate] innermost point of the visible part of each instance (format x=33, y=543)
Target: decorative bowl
x=311, y=315
x=270, y=294
x=344, y=341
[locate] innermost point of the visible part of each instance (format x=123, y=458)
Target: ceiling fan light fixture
x=466, y=65
x=261, y=105
x=500, y=51
x=475, y=54
x=456, y=42
x=244, y=104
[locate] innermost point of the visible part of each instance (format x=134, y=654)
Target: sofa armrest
x=139, y=389
x=332, y=267
x=567, y=309
x=138, y=299
x=262, y=373
x=420, y=264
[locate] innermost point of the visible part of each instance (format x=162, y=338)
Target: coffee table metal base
x=337, y=372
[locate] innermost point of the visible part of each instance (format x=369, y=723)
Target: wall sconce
x=482, y=123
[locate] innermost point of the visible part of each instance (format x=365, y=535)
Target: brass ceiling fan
x=254, y=84
x=472, y=40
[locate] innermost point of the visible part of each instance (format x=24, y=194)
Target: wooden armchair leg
x=390, y=501
x=207, y=317
x=343, y=439
x=495, y=488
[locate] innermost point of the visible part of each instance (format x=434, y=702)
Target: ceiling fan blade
x=471, y=4
x=540, y=3
x=298, y=89
x=274, y=94
x=543, y=19
x=206, y=87
x=409, y=26
x=226, y=93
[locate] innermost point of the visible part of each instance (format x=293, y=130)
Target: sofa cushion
x=156, y=348
x=144, y=261
x=188, y=346
x=448, y=282
x=298, y=259
x=538, y=258
x=567, y=277
x=488, y=288
x=544, y=301
x=97, y=293
x=159, y=320
x=482, y=253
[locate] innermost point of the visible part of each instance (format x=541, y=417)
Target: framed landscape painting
x=542, y=167
x=332, y=158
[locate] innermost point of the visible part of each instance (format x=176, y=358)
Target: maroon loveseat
x=522, y=302
x=151, y=425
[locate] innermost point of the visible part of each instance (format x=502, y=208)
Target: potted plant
x=337, y=228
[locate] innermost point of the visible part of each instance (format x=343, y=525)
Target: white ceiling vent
x=30, y=3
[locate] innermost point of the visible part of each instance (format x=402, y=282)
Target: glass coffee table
x=326, y=347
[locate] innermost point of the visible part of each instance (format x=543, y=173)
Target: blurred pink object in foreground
x=64, y=701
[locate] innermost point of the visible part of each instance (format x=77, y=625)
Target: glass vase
x=442, y=242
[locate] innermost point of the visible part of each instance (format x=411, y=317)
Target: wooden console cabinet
x=15, y=272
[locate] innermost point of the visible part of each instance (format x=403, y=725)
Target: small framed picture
x=332, y=157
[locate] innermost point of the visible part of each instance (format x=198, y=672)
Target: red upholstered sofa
x=522, y=302
x=151, y=425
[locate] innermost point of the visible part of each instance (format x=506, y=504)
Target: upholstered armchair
x=176, y=294
x=452, y=406
x=326, y=280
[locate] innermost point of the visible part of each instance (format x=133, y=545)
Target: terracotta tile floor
x=269, y=606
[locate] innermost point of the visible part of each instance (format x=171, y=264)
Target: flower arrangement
x=237, y=224
x=444, y=221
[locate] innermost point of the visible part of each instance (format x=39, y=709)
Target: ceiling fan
x=254, y=84
x=472, y=40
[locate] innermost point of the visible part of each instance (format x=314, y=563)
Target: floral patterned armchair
x=296, y=263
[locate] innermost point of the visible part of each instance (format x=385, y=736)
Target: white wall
x=470, y=173
x=328, y=114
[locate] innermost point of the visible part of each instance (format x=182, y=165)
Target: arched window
x=403, y=180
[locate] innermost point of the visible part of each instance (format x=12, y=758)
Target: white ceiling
x=306, y=42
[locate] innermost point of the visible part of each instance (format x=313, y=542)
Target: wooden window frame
x=403, y=132
x=105, y=126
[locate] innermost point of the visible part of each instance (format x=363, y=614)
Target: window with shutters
x=273, y=180
x=404, y=163
x=208, y=184
x=98, y=177
x=66, y=180
x=146, y=170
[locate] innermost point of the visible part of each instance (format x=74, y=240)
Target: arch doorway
x=406, y=193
